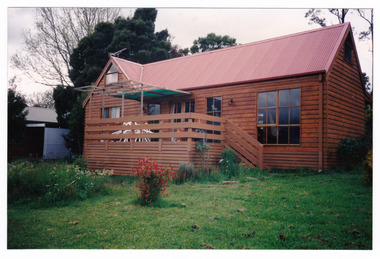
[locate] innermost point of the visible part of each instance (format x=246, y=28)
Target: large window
x=112, y=75
x=278, y=117
x=111, y=112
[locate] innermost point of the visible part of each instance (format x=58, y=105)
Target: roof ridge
x=249, y=44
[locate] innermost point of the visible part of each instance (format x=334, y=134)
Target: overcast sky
x=187, y=24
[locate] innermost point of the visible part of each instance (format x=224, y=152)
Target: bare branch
x=45, y=57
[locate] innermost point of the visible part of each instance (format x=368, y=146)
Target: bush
x=351, y=151
x=229, y=163
x=185, y=172
x=48, y=184
x=151, y=180
x=81, y=162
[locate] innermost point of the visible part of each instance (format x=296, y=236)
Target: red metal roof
x=297, y=54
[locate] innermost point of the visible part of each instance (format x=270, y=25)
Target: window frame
x=277, y=124
x=102, y=116
x=348, y=54
x=110, y=74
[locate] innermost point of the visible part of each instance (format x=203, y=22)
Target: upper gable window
x=112, y=75
x=348, y=49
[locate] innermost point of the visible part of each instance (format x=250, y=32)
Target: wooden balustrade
x=167, y=137
x=165, y=127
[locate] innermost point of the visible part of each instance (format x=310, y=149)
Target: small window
x=348, y=49
x=111, y=112
x=112, y=75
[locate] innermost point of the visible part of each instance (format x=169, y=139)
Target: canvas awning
x=131, y=90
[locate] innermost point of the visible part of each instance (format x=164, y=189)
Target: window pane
x=295, y=97
x=271, y=116
x=176, y=107
x=115, y=112
x=283, y=116
x=283, y=135
x=261, y=135
x=272, y=99
x=217, y=104
x=111, y=78
x=272, y=135
x=217, y=114
x=262, y=117
x=262, y=100
x=294, y=135
x=210, y=104
x=189, y=106
x=294, y=115
x=112, y=69
x=154, y=109
x=283, y=98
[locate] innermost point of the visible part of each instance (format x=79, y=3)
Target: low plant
x=48, y=184
x=202, y=147
x=151, y=180
x=229, y=163
x=184, y=173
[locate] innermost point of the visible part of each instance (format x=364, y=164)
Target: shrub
x=81, y=162
x=47, y=184
x=185, y=172
x=229, y=163
x=351, y=151
x=151, y=180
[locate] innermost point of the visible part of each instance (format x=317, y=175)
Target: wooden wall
x=344, y=110
x=122, y=158
x=243, y=114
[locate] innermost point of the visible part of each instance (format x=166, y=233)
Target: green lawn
x=268, y=211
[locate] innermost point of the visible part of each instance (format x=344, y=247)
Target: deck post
x=142, y=101
x=103, y=104
x=122, y=102
x=189, y=144
x=261, y=156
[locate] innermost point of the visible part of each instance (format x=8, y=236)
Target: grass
x=281, y=210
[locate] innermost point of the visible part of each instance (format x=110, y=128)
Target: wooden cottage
x=280, y=103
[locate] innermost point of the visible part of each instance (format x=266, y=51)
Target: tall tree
x=211, y=42
x=135, y=36
x=56, y=32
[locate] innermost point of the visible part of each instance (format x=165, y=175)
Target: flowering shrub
x=151, y=180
